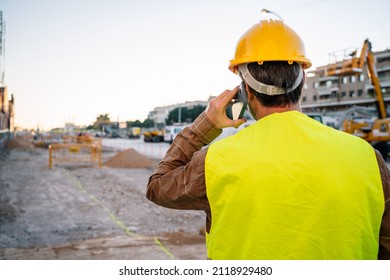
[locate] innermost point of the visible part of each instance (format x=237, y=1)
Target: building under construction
x=327, y=92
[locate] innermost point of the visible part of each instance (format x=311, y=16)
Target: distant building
x=68, y=129
x=7, y=114
x=159, y=114
x=7, y=106
x=323, y=93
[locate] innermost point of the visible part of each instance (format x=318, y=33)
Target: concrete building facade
x=324, y=93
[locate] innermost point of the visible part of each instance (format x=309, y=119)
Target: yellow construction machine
x=154, y=136
x=372, y=126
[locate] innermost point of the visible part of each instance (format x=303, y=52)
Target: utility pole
x=179, y=117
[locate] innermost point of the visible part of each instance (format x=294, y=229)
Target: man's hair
x=280, y=74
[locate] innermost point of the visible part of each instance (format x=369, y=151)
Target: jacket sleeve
x=179, y=181
x=384, y=238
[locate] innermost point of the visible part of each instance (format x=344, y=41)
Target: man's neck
x=265, y=111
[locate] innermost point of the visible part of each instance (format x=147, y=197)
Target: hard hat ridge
x=269, y=40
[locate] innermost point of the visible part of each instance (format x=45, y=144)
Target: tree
x=186, y=114
x=196, y=111
x=101, y=120
x=148, y=123
x=135, y=123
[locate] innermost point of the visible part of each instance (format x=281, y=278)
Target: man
x=286, y=187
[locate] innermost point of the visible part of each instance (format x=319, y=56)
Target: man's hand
x=216, y=110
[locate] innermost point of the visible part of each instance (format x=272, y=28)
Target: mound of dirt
x=130, y=158
x=19, y=143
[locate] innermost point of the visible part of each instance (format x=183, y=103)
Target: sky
x=71, y=61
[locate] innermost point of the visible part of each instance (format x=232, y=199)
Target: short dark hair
x=280, y=74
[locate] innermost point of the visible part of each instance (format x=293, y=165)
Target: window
x=361, y=77
x=324, y=97
x=383, y=59
x=323, y=84
x=353, y=79
x=343, y=94
x=382, y=75
x=314, y=97
x=304, y=99
x=345, y=80
x=360, y=92
x=351, y=93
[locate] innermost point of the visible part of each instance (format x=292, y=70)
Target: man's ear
x=250, y=95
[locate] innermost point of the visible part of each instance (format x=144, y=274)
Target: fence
x=89, y=152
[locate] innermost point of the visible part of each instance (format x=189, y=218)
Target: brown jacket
x=179, y=180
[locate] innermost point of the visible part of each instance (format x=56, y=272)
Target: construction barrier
x=75, y=153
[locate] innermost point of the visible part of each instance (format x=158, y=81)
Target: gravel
x=70, y=210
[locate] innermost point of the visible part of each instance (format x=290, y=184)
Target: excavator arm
x=359, y=121
x=372, y=74
x=355, y=66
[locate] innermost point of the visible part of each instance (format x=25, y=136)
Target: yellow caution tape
x=163, y=247
x=113, y=217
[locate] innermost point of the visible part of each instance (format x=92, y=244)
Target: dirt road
x=84, y=212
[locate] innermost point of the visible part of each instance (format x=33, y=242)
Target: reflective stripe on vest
x=288, y=187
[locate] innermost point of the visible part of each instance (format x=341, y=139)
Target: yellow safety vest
x=288, y=187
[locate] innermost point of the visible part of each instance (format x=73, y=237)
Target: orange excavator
x=361, y=121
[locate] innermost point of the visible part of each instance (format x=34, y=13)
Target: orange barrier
x=75, y=153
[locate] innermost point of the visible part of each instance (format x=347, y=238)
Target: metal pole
x=179, y=117
x=50, y=157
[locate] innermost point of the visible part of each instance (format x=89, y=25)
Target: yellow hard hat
x=270, y=40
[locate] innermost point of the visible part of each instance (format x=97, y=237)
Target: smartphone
x=239, y=102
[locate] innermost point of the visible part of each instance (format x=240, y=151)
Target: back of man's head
x=279, y=74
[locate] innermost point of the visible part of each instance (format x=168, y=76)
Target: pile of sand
x=130, y=158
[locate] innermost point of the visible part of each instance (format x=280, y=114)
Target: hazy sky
x=70, y=61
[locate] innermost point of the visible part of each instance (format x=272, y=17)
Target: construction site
x=90, y=206
x=82, y=196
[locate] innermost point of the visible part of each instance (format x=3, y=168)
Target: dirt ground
x=78, y=212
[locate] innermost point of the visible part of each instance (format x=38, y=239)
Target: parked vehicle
x=171, y=131
x=324, y=119
x=154, y=136
x=134, y=132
